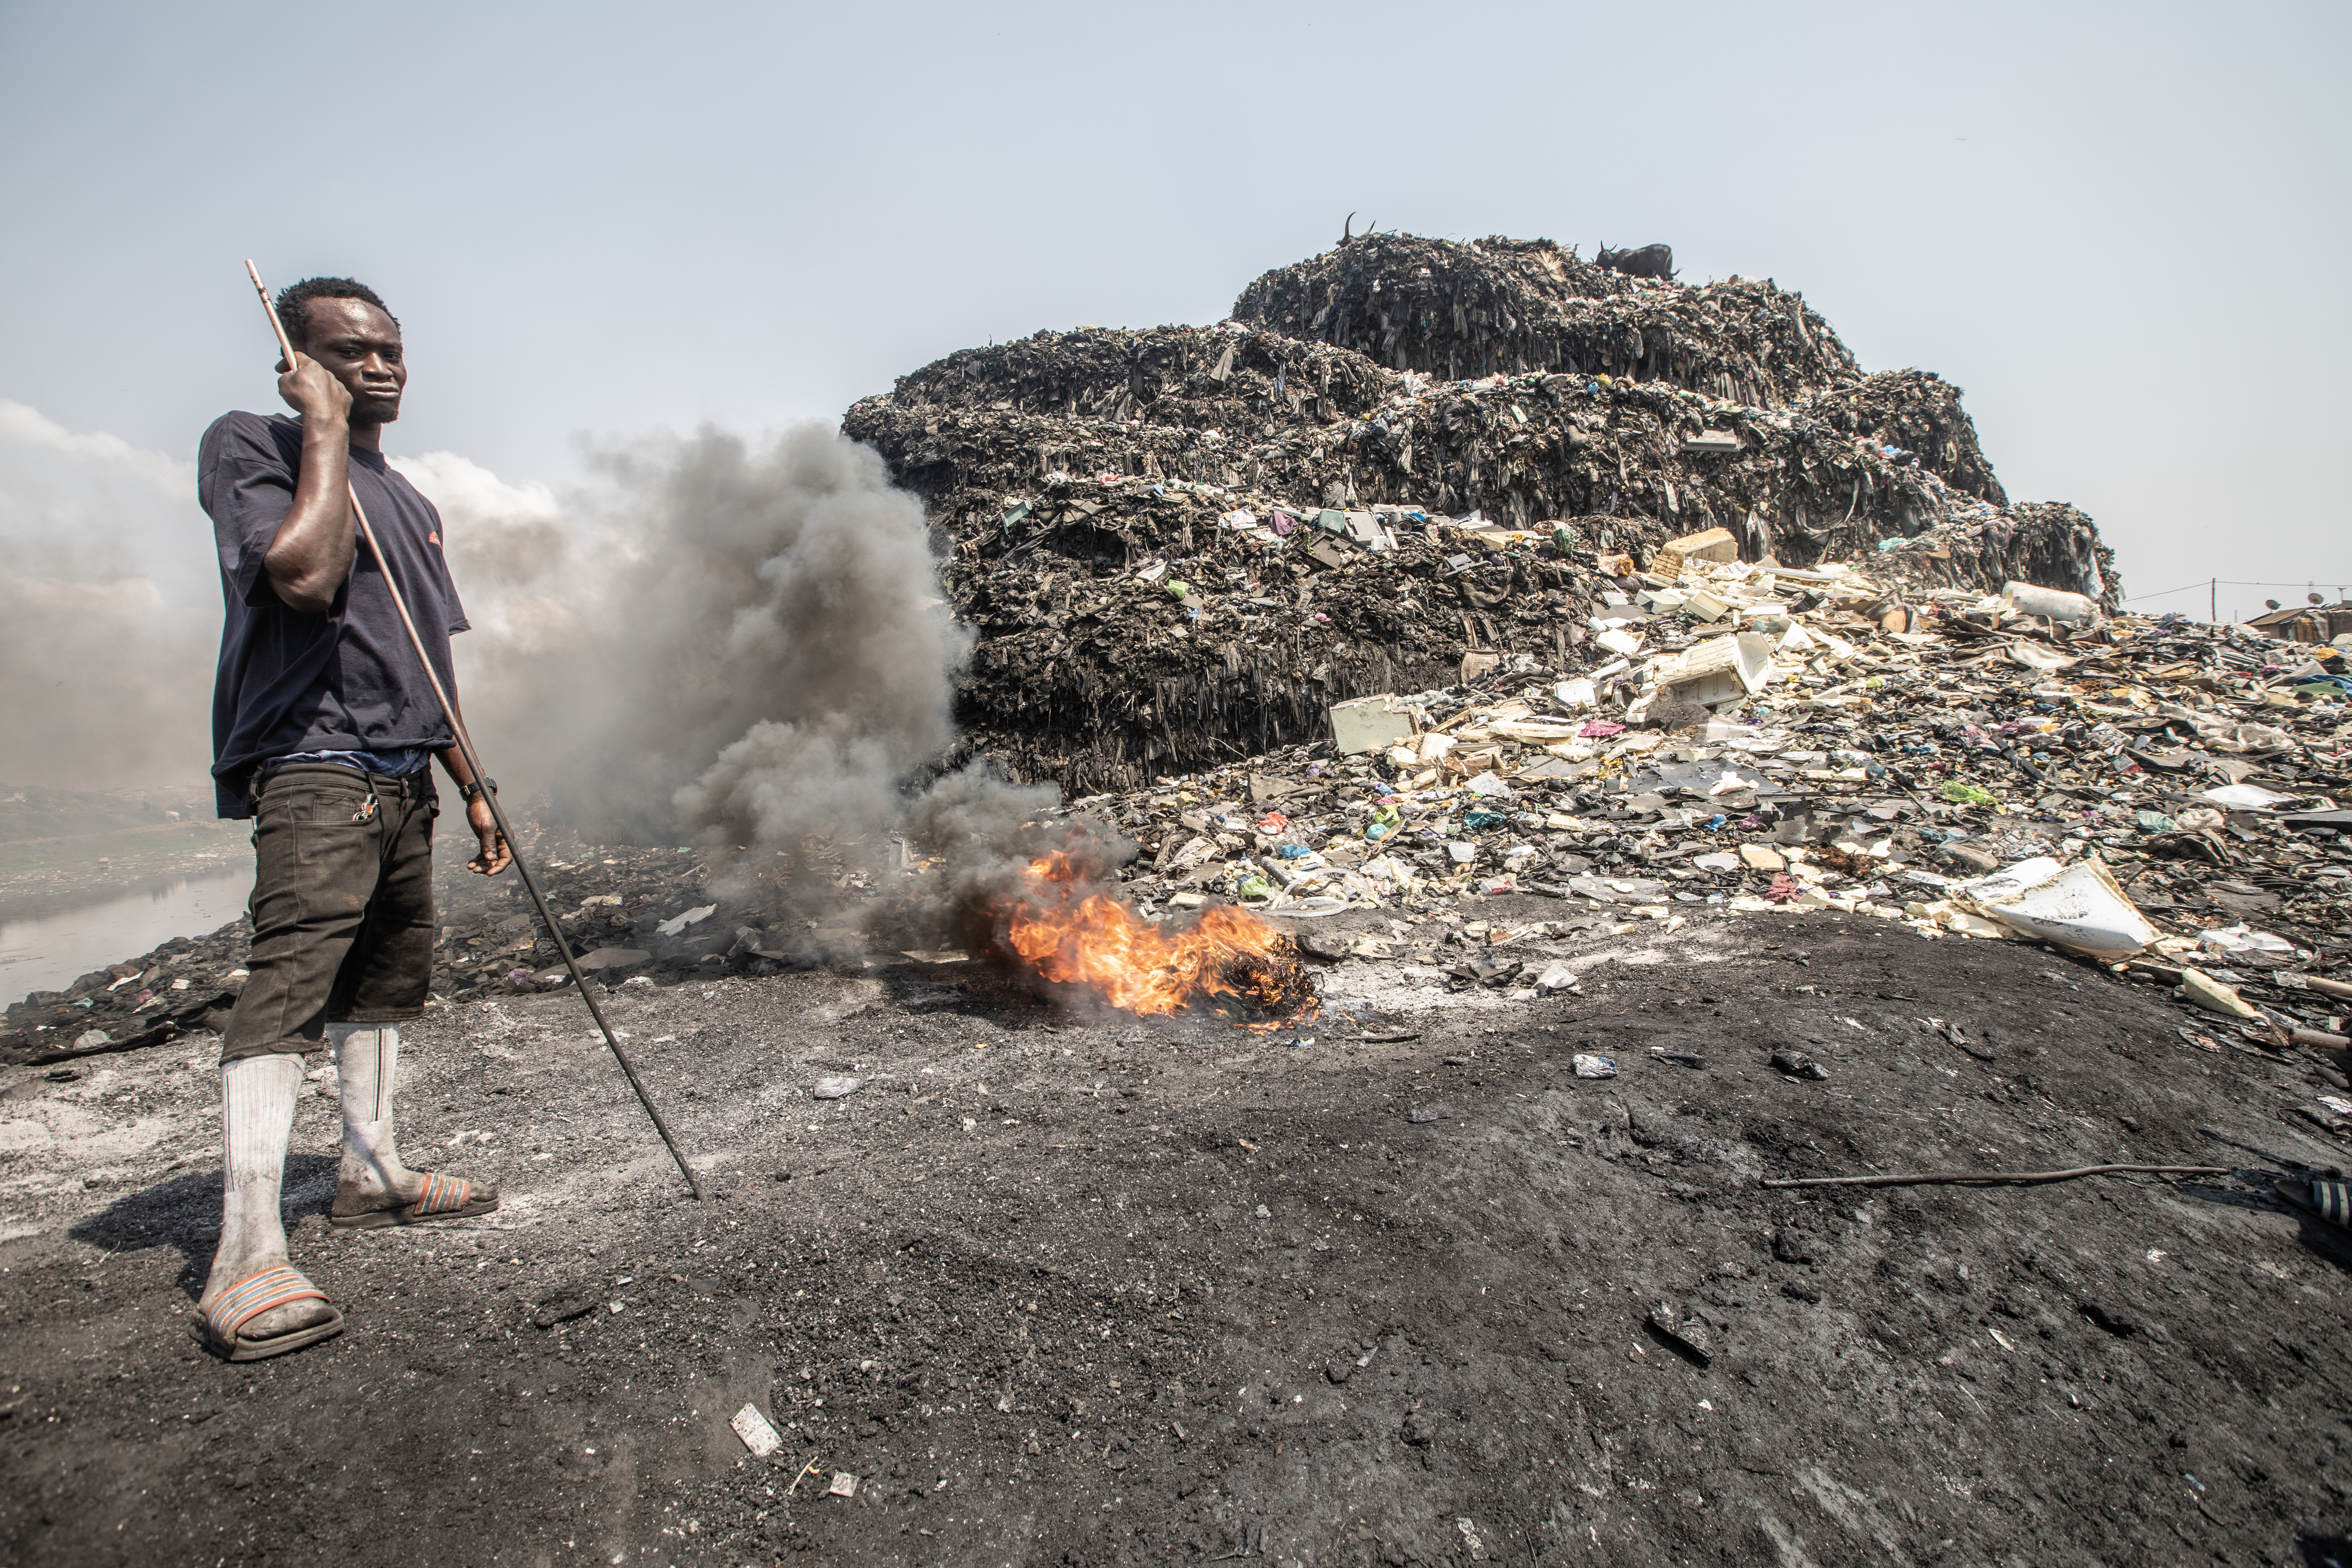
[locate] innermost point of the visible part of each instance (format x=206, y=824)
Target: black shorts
x=342, y=906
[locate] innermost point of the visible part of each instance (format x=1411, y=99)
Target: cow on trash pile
x=1649, y=261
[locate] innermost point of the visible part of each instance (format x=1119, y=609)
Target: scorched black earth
x=1058, y=1290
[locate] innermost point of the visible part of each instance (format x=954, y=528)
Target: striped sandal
x=2328, y=1197
x=222, y=1327
x=443, y=1197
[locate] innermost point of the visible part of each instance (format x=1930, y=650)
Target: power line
x=2136, y=598
x=2226, y=583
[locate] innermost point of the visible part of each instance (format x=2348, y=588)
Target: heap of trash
x=1727, y=739
x=2161, y=795
x=1178, y=546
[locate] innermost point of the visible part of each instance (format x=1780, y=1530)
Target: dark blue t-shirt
x=347, y=679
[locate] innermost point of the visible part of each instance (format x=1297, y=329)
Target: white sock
x=256, y=1124
x=367, y=1061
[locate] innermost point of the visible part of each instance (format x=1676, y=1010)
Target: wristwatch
x=466, y=792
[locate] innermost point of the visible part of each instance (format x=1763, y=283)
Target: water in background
x=47, y=951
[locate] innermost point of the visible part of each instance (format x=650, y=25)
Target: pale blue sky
x=2121, y=229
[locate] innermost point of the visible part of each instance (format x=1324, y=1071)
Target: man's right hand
x=311, y=555
x=312, y=392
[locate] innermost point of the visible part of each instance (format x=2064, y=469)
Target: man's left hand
x=494, y=855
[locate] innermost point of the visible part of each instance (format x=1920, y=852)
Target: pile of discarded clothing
x=1177, y=546
x=1238, y=618
x=2045, y=543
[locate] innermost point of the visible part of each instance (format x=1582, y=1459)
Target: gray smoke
x=770, y=657
x=744, y=644
x=984, y=832
x=753, y=651
x=110, y=611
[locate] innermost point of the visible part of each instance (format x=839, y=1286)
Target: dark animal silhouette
x=1650, y=261
x=1345, y=236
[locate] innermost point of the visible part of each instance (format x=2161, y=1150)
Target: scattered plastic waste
x=758, y=1434
x=2079, y=907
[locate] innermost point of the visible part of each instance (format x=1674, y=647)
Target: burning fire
x=1075, y=936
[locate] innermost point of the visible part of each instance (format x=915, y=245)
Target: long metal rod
x=474, y=764
x=1997, y=1178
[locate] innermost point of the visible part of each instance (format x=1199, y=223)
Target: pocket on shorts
x=334, y=805
x=322, y=824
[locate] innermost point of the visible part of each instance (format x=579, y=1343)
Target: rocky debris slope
x=185, y=984
x=1322, y=509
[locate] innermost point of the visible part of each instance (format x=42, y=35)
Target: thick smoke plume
x=984, y=832
x=742, y=645
x=769, y=658
x=751, y=650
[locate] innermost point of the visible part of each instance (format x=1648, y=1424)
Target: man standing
x=324, y=727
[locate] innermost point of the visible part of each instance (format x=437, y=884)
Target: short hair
x=294, y=302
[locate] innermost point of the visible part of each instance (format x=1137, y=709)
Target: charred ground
x=1065, y=1291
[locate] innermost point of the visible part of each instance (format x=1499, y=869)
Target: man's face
x=360, y=346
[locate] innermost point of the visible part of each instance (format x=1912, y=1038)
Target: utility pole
x=2212, y=600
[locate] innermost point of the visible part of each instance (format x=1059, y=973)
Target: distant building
x=2306, y=623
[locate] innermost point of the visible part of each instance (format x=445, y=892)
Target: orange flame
x=1074, y=937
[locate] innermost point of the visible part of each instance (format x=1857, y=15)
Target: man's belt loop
x=412, y=784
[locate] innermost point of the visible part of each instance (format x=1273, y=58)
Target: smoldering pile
x=1177, y=546
x=977, y=872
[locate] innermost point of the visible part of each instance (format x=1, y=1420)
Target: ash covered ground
x=1397, y=1285
x=1067, y=1289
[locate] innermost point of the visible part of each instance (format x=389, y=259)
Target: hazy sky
x=2122, y=230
